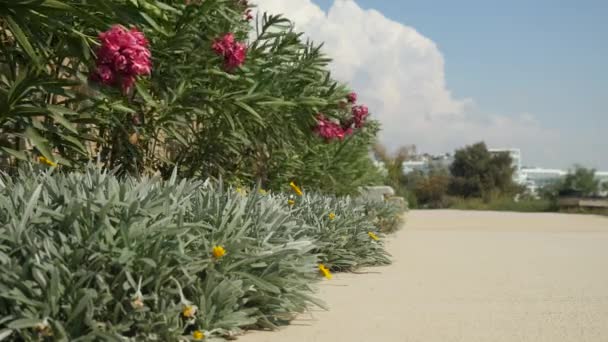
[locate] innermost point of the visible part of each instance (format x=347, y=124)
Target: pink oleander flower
x=360, y=114
x=234, y=52
x=328, y=129
x=123, y=55
x=352, y=97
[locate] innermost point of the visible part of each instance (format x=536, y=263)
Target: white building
x=415, y=165
x=425, y=163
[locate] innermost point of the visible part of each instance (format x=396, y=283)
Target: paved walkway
x=471, y=276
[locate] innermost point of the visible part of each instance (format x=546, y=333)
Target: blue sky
x=545, y=59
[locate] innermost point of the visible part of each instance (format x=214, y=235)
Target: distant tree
x=478, y=173
x=581, y=181
x=431, y=191
x=394, y=166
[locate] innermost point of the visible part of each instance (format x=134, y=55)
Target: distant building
x=602, y=176
x=537, y=178
x=543, y=177
x=426, y=162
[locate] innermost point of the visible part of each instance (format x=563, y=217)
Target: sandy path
x=472, y=276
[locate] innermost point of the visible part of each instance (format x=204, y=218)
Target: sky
x=443, y=74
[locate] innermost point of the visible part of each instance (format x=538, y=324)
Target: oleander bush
x=150, y=86
x=92, y=256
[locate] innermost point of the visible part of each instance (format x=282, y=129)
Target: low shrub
x=89, y=256
x=502, y=204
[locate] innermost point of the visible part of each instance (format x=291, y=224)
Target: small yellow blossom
x=137, y=303
x=198, y=335
x=189, y=311
x=218, y=252
x=44, y=329
x=332, y=216
x=373, y=236
x=241, y=191
x=291, y=202
x=325, y=271
x=44, y=160
x=296, y=189
x=263, y=192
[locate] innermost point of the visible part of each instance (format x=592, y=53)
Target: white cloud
x=400, y=74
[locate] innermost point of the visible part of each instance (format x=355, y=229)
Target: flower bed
x=90, y=256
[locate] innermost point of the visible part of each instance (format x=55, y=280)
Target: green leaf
x=17, y=154
x=55, y=4
x=39, y=142
x=122, y=108
x=141, y=89
x=24, y=323
x=251, y=111
x=5, y=333
x=153, y=23
x=22, y=39
x=57, y=114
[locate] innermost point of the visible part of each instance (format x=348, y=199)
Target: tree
x=431, y=191
x=581, y=181
x=478, y=173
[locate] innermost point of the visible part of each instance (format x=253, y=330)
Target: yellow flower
x=189, y=311
x=332, y=216
x=137, y=303
x=241, y=191
x=263, y=192
x=325, y=271
x=44, y=329
x=198, y=335
x=44, y=160
x=373, y=236
x=291, y=202
x=296, y=189
x=218, y=252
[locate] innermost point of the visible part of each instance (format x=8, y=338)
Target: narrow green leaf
x=251, y=111
x=22, y=39
x=39, y=142
x=23, y=323
x=17, y=154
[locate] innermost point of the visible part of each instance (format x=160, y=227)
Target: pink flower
x=328, y=129
x=352, y=97
x=360, y=114
x=120, y=63
x=237, y=56
x=234, y=53
x=223, y=45
x=249, y=15
x=104, y=75
x=123, y=56
x=139, y=37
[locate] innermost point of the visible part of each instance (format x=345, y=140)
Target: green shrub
x=388, y=217
x=502, y=204
x=90, y=256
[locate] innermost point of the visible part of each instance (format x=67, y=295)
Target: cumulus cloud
x=400, y=74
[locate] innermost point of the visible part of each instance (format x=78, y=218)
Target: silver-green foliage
x=77, y=250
